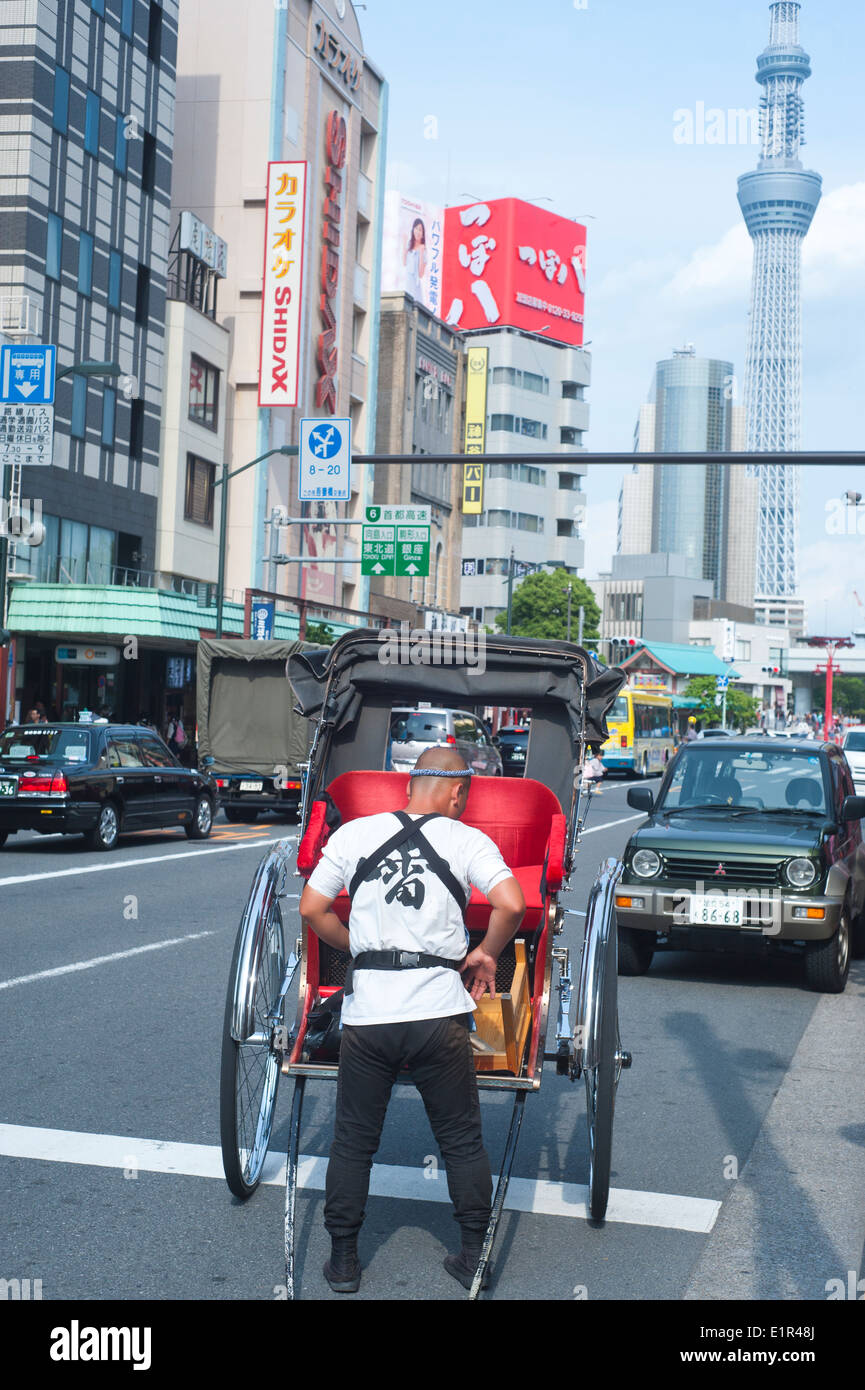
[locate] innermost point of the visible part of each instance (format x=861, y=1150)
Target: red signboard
x=511, y=264
x=335, y=146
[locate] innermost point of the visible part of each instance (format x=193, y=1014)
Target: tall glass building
x=689, y=508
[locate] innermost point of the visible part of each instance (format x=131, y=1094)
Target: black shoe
x=342, y=1270
x=464, y=1267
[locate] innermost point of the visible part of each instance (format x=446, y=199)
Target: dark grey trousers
x=438, y=1054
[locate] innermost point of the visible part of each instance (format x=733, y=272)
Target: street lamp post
x=290, y=451
x=832, y=668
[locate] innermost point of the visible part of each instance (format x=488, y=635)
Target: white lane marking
x=595, y=828
x=537, y=1196
x=102, y=960
x=134, y=863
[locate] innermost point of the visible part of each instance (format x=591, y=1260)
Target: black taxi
x=98, y=780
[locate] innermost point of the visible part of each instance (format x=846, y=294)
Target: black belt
x=396, y=960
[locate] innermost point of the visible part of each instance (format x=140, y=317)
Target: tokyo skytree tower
x=778, y=201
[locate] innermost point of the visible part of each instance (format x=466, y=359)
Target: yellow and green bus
x=641, y=738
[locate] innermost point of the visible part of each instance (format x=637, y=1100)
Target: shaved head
x=446, y=795
x=447, y=759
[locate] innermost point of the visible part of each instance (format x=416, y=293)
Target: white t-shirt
x=407, y=908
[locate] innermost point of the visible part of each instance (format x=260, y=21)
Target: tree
x=322, y=634
x=742, y=709
x=848, y=694
x=540, y=607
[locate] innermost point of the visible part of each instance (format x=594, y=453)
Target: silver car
x=854, y=752
x=412, y=731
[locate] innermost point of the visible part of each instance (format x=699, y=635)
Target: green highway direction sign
x=395, y=542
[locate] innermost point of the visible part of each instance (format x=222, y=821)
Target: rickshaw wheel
x=601, y=1082
x=250, y=1071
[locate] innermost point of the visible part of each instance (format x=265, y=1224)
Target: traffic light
x=771, y=670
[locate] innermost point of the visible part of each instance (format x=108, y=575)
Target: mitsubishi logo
x=720, y=871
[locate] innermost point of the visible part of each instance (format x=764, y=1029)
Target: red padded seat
x=521, y=816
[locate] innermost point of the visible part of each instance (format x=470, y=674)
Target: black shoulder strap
x=408, y=828
x=439, y=866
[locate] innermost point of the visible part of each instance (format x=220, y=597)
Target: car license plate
x=710, y=911
x=252, y=786
x=7, y=786
x=519, y=756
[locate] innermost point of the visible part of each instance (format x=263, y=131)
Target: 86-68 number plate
x=715, y=911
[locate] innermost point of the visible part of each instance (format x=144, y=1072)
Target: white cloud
x=720, y=270
x=834, y=247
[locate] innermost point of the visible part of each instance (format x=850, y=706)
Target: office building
x=267, y=82
x=701, y=510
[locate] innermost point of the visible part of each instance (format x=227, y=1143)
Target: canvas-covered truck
x=249, y=738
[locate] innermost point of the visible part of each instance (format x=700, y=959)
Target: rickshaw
x=348, y=691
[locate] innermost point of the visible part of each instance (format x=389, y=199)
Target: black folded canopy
x=560, y=682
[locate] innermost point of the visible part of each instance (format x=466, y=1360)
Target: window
x=533, y=382
x=115, y=279
x=743, y=650
x=154, y=34
x=124, y=753
x=136, y=429
x=564, y=528
x=502, y=422
x=53, y=247
x=199, y=491
x=61, y=100
x=127, y=18
x=98, y=7
x=203, y=393
x=568, y=435
x=142, y=295
x=109, y=402
x=120, y=145
x=533, y=428
x=91, y=123
x=100, y=555
x=506, y=376
x=569, y=482
x=148, y=163
x=79, y=407
x=497, y=517
x=154, y=753
x=572, y=392
x=85, y=263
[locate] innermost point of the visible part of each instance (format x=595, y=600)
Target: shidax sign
x=418, y=647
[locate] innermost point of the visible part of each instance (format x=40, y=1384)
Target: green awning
x=100, y=611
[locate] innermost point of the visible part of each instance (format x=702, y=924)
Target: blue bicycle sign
x=325, y=441
x=325, y=460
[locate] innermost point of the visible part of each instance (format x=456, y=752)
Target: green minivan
x=751, y=844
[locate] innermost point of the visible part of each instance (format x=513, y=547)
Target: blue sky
x=576, y=104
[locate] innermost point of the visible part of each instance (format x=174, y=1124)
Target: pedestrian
x=408, y=894
x=692, y=729
x=593, y=771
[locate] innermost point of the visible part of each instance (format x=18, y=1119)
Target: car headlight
x=646, y=863
x=800, y=872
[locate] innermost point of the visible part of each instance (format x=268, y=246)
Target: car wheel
x=201, y=824
x=106, y=831
x=857, y=936
x=636, y=949
x=827, y=963
x=4, y=834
